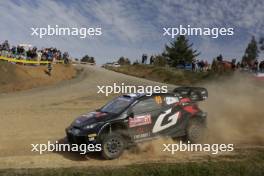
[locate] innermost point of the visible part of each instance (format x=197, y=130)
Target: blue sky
x=131, y=28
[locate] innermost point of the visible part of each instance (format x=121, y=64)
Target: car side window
x=169, y=100
x=146, y=105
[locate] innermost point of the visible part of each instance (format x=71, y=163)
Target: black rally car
x=133, y=118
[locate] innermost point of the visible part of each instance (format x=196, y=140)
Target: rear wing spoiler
x=194, y=93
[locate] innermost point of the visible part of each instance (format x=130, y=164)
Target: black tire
x=195, y=131
x=113, y=145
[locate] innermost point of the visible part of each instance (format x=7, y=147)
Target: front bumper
x=75, y=136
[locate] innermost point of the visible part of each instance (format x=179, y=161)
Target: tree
x=92, y=60
x=88, y=59
x=180, y=52
x=123, y=61
x=85, y=58
x=251, y=52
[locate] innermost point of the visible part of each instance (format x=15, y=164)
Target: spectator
x=233, y=64
x=5, y=46
x=13, y=51
x=151, y=60
x=255, y=66
x=193, y=65
x=144, y=59
x=65, y=57
x=261, y=66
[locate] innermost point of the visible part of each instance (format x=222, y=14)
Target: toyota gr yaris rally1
x=132, y=118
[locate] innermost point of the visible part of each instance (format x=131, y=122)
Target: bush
x=160, y=61
x=123, y=61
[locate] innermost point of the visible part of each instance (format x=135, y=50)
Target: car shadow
x=76, y=156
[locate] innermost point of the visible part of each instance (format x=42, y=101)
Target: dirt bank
x=20, y=77
x=164, y=74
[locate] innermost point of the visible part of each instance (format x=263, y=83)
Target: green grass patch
x=249, y=163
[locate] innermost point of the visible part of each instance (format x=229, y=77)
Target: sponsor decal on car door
x=159, y=126
x=139, y=120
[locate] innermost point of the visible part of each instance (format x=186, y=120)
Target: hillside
x=164, y=74
x=19, y=77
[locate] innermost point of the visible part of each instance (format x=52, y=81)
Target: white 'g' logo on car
x=173, y=120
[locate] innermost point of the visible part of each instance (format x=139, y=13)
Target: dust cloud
x=235, y=110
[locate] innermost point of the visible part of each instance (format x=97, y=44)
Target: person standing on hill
x=50, y=59
x=144, y=59
x=151, y=60
x=49, y=68
x=65, y=57
x=261, y=66
x=193, y=65
x=255, y=66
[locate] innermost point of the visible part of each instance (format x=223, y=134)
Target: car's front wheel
x=113, y=145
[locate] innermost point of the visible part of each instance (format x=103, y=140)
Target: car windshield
x=117, y=105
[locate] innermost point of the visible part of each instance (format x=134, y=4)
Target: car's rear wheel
x=113, y=146
x=195, y=131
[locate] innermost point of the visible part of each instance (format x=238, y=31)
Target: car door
x=145, y=113
x=169, y=116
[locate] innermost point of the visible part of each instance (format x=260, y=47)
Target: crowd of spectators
x=32, y=53
x=254, y=66
x=200, y=65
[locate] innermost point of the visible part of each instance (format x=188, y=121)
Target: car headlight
x=76, y=131
x=90, y=126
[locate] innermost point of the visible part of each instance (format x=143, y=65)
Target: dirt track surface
x=41, y=114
